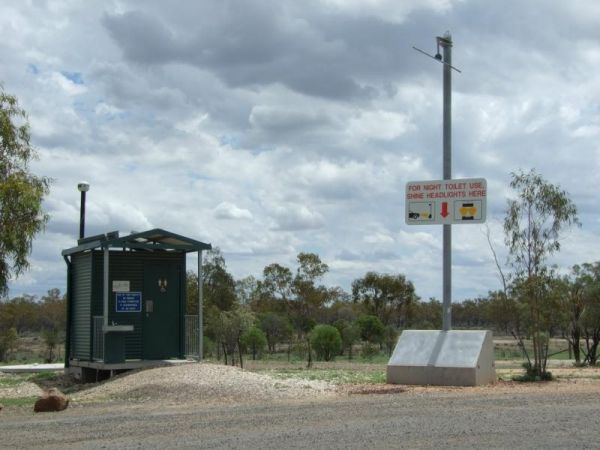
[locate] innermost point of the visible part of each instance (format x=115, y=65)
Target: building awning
x=151, y=240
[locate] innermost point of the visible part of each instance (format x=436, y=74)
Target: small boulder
x=52, y=400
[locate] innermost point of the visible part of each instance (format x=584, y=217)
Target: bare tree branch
x=500, y=271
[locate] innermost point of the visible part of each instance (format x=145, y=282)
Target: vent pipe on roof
x=83, y=187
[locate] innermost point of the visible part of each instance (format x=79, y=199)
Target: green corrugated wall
x=81, y=317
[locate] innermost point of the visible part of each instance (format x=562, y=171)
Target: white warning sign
x=460, y=201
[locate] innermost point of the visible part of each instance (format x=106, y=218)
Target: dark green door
x=161, y=311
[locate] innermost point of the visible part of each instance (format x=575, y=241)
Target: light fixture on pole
x=83, y=187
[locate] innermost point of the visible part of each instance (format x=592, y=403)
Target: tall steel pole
x=200, y=308
x=446, y=43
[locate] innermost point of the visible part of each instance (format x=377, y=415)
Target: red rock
x=52, y=400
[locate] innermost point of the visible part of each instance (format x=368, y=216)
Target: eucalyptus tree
x=573, y=306
x=590, y=317
x=388, y=297
x=218, y=284
x=534, y=221
x=309, y=296
x=21, y=192
x=274, y=291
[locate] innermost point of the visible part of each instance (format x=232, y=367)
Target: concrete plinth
x=444, y=358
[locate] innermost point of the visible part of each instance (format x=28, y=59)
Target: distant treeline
x=285, y=305
x=28, y=314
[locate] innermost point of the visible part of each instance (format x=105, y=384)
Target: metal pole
x=200, y=306
x=105, y=290
x=82, y=215
x=446, y=43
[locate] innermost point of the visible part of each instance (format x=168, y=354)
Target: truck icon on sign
x=420, y=211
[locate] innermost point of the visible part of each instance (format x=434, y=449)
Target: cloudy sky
x=269, y=128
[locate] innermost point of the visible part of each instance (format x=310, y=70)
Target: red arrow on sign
x=444, y=212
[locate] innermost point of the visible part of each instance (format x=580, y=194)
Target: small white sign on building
x=460, y=201
x=120, y=286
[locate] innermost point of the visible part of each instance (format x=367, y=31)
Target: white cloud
x=192, y=125
x=297, y=217
x=384, y=125
x=68, y=86
x=226, y=210
x=379, y=238
x=273, y=129
x=104, y=109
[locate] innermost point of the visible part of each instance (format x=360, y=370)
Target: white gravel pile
x=203, y=383
x=25, y=389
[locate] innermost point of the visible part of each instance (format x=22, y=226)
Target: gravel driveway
x=555, y=416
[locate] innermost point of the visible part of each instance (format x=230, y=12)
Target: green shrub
x=8, y=343
x=254, y=340
x=52, y=339
x=531, y=375
x=390, y=337
x=369, y=350
x=326, y=342
x=371, y=328
x=350, y=333
x=208, y=347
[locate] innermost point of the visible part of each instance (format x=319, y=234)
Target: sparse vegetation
x=335, y=376
x=19, y=401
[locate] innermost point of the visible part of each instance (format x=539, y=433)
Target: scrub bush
x=326, y=342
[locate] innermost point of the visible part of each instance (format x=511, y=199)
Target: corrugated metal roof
x=151, y=240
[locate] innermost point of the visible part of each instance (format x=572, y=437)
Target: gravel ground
x=25, y=389
x=212, y=406
x=205, y=383
x=543, y=418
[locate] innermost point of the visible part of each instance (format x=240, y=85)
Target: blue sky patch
x=75, y=77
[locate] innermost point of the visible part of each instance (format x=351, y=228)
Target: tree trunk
x=574, y=343
x=593, y=353
x=240, y=352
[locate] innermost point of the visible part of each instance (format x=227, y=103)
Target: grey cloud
x=349, y=255
x=280, y=120
x=322, y=56
x=158, y=44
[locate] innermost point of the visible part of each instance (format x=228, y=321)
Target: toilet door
x=160, y=309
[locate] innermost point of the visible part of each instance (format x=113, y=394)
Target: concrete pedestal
x=444, y=358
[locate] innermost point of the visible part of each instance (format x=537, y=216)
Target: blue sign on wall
x=128, y=301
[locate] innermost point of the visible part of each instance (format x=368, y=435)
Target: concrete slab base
x=32, y=368
x=91, y=371
x=443, y=358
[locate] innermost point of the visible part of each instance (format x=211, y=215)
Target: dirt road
x=500, y=419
